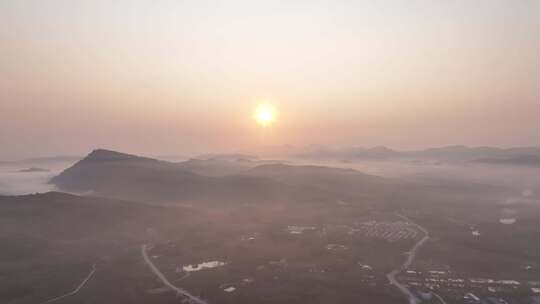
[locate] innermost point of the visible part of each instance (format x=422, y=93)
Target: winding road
x=408, y=261
x=76, y=290
x=155, y=270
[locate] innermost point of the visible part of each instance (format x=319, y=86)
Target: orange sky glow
x=174, y=77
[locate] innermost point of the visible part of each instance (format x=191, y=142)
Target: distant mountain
x=129, y=177
x=34, y=169
x=445, y=154
x=41, y=160
x=522, y=160
x=221, y=166
x=226, y=156
x=125, y=176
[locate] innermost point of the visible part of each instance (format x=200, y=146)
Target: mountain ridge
x=118, y=175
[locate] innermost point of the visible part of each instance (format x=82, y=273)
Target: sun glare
x=265, y=115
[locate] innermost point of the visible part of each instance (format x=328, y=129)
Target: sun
x=265, y=114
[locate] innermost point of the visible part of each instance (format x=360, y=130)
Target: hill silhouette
x=125, y=176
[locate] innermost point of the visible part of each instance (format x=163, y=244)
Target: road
x=439, y=298
x=408, y=261
x=155, y=270
x=76, y=290
x=185, y=276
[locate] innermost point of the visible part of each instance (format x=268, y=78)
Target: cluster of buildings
x=391, y=231
x=470, y=290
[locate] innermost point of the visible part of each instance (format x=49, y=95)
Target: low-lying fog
x=520, y=178
x=28, y=177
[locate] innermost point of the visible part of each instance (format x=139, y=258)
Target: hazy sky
x=173, y=77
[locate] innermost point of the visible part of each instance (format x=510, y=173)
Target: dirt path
x=76, y=290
